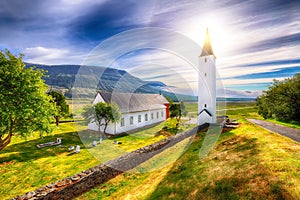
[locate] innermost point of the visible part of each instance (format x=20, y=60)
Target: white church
x=137, y=110
x=142, y=110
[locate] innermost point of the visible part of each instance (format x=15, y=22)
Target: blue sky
x=254, y=41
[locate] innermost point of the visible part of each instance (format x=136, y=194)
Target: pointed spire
x=207, y=49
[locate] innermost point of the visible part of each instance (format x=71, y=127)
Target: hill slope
x=88, y=79
x=246, y=163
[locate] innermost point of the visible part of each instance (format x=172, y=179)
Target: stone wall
x=82, y=182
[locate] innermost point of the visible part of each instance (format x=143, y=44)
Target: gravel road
x=292, y=133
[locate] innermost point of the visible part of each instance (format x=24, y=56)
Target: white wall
x=207, y=81
x=204, y=118
x=117, y=129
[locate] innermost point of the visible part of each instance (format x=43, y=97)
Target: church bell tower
x=207, y=84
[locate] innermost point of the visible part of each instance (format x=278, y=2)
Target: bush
x=282, y=100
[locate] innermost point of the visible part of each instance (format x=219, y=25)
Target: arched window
x=205, y=59
x=205, y=105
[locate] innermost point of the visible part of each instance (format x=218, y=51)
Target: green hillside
x=79, y=81
x=246, y=163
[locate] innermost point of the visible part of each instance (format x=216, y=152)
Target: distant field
x=225, y=108
x=77, y=105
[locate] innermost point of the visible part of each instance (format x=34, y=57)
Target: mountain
x=83, y=81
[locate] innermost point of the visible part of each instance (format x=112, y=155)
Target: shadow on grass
x=27, y=150
x=232, y=171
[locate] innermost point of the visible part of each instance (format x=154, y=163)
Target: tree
x=175, y=112
x=61, y=105
x=102, y=114
x=282, y=100
x=24, y=105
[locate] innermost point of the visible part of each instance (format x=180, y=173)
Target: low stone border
x=82, y=182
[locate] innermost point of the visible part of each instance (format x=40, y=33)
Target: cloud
x=275, y=62
x=42, y=55
x=108, y=19
x=230, y=82
x=255, y=39
x=229, y=93
x=259, y=71
x=275, y=73
x=277, y=42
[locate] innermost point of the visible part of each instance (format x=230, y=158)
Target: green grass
x=77, y=105
x=24, y=167
x=246, y=163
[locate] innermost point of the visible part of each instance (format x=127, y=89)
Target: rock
x=60, y=184
x=49, y=185
x=41, y=189
x=75, y=178
x=30, y=194
x=68, y=181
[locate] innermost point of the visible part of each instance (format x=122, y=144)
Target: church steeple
x=207, y=49
x=207, y=84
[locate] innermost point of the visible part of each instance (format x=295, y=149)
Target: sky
x=254, y=41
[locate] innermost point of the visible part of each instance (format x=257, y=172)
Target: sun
x=220, y=35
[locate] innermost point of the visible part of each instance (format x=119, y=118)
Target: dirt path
x=292, y=133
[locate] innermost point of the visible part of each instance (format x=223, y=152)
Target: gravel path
x=292, y=133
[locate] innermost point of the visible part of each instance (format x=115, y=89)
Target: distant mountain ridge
x=91, y=78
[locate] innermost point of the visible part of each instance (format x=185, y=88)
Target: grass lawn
x=24, y=167
x=246, y=163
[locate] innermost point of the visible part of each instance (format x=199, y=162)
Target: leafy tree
x=61, y=105
x=282, y=100
x=175, y=112
x=102, y=114
x=24, y=105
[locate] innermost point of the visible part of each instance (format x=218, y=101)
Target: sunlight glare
x=220, y=35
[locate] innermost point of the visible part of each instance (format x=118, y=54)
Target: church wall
x=116, y=128
x=207, y=87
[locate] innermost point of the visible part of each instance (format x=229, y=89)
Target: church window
x=122, y=122
x=205, y=74
x=131, y=120
x=146, y=117
x=205, y=105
